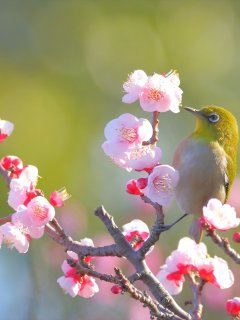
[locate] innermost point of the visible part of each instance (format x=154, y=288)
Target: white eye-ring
x=213, y=117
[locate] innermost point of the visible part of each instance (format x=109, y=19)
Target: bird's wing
x=229, y=176
x=226, y=184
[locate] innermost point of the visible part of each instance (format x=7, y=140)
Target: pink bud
x=236, y=237
x=131, y=187
x=142, y=183
x=116, y=289
x=233, y=306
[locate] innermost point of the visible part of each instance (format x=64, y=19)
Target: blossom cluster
x=32, y=210
x=193, y=258
x=158, y=92
x=128, y=137
x=74, y=283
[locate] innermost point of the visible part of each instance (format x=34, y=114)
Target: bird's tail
x=195, y=231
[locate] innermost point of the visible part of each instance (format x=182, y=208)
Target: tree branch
x=124, y=247
x=155, y=309
x=85, y=251
x=6, y=219
x=197, y=291
x=155, y=123
x=221, y=242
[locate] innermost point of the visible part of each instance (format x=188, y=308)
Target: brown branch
x=85, y=251
x=156, y=310
x=6, y=219
x=123, y=245
x=155, y=123
x=197, y=291
x=57, y=227
x=125, y=249
x=221, y=242
x=6, y=175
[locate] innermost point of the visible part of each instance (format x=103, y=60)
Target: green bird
x=206, y=161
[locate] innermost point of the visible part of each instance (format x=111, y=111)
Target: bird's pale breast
x=201, y=167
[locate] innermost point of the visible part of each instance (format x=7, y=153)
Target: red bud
x=116, y=289
x=132, y=188
x=236, y=237
x=142, y=183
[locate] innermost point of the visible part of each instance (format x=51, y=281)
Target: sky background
x=62, y=66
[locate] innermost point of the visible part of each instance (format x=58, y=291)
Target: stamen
x=163, y=183
x=40, y=213
x=128, y=134
x=141, y=152
x=62, y=194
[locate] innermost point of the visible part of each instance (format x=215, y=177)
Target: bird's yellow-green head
x=216, y=124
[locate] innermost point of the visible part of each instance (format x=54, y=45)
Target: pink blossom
x=146, y=157
x=13, y=164
x=133, y=86
x=181, y=262
x=77, y=284
x=18, y=192
x=172, y=282
x=1, y=238
x=120, y=161
x=13, y=237
x=22, y=221
x=215, y=270
x=21, y=192
x=233, y=306
x=161, y=94
x=57, y=197
x=190, y=256
x=131, y=188
x=40, y=211
x=29, y=174
x=139, y=228
x=127, y=133
x=161, y=184
x=6, y=129
x=220, y=216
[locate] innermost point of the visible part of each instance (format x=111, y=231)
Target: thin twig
x=57, y=227
x=196, y=301
x=156, y=310
x=221, y=242
x=6, y=219
x=155, y=123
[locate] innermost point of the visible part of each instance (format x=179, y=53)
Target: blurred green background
x=62, y=66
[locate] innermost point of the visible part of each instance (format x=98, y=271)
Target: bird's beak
x=195, y=112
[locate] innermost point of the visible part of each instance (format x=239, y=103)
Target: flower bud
x=131, y=188
x=116, y=289
x=233, y=306
x=142, y=183
x=236, y=237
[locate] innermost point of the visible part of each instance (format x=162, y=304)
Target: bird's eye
x=214, y=117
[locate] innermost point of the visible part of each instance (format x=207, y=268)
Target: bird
x=206, y=162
